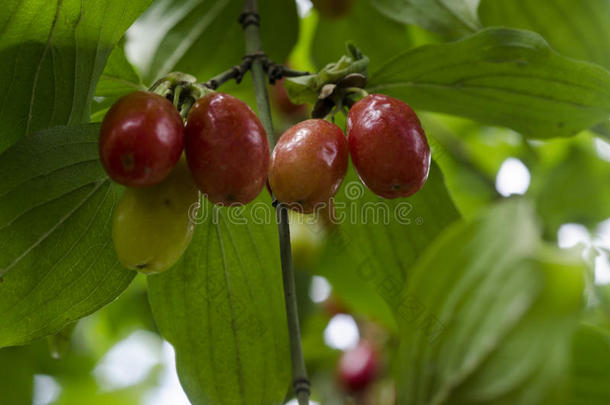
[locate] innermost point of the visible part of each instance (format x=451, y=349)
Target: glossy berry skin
x=388, y=146
x=151, y=227
x=358, y=367
x=141, y=139
x=227, y=149
x=308, y=165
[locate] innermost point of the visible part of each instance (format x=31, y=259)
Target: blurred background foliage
x=117, y=355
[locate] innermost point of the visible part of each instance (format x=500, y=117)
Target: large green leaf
x=578, y=29
x=56, y=260
x=451, y=18
x=370, y=252
x=590, y=369
x=16, y=383
x=483, y=295
x=204, y=38
x=222, y=308
x=53, y=52
x=501, y=77
x=118, y=77
x=331, y=34
x=603, y=130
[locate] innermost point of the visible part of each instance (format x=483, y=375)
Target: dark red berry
x=333, y=8
x=358, y=367
x=227, y=149
x=141, y=139
x=388, y=146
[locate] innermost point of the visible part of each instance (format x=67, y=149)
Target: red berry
x=308, y=165
x=333, y=8
x=388, y=146
x=141, y=139
x=358, y=367
x=334, y=306
x=226, y=149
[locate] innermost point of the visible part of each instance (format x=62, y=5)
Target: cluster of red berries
x=143, y=136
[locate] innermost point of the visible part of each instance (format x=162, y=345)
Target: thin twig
x=294, y=73
x=236, y=72
x=275, y=71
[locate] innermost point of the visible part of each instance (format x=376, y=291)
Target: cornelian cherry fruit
x=388, y=146
x=227, y=149
x=358, y=367
x=333, y=8
x=308, y=165
x=141, y=139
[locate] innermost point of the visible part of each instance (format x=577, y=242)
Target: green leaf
x=329, y=39
x=59, y=343
x=17, y=383
x=369, y=255
x=501, y=77
x=578, y=29
x=203, y=38
x=53, y=53
x=590, y=368
x=470, y=187
x=484, y=294
x=450, y=18
x=118, y=77
x=222, y=308
x=57, y=259
x=603, y=130
x=580, y=177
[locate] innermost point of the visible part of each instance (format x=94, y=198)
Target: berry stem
x=186, y=107
x=177, y=93
x=250, y=23
x=357, y=91
x=161, y=87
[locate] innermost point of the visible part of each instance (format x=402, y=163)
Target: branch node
x=275, y=72
x=211, y=84
x=249, y=58
x=301, y=385
x=238, y=73
x=249, y=17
